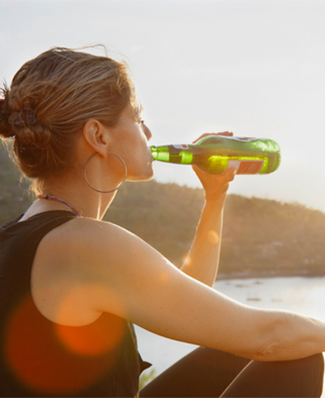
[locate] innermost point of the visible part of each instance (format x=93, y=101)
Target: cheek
x=147, y=132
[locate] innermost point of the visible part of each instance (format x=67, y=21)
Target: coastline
x=270, y=274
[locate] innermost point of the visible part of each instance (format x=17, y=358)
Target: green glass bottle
x=214, y=154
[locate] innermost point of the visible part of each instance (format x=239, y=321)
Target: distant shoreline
x=270, y=274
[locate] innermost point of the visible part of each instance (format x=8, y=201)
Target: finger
x=230, y=173
x=220, y=179
x=198, y=171
x=203, y=136
x=225, y=133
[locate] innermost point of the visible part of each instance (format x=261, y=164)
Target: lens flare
x=52, y=359
x=92, y=339
x=187, y=260
x=163, y=277
x=213, y=237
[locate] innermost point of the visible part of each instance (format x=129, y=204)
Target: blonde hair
x=51, y=98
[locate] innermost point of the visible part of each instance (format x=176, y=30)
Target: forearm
x=288, y=336
x=202, y=260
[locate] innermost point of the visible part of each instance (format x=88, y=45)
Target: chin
x=146, y=174
x=142, y=177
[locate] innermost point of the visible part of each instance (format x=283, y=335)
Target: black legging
x=211, y=373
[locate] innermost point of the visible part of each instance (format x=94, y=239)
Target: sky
x=256, y=68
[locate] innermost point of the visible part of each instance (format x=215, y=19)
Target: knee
x=310, y=367
x=296, y=378
x=308, y=374
x=315, y=363
x=314, y=367
x=319, y=361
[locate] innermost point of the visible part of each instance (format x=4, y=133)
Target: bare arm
x=202, y=260
x=129, y=278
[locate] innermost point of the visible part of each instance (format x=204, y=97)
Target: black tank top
x=40, y=358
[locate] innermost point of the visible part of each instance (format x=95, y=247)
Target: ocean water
x=305, y=296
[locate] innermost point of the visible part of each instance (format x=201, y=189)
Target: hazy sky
x=256, y=68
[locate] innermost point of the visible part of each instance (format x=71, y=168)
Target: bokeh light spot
x=49, y=358
x=213, y=237
x=187, y=260
x=163, y=277
x=92, y=339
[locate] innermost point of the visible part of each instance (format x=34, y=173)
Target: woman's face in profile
x=130, y=141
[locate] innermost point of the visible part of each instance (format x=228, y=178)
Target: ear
x=96, y=136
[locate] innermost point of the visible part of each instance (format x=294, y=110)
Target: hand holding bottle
x=215, y=186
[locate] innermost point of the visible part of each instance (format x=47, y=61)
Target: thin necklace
x=56, y=199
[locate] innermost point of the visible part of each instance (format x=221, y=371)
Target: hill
x=261, y=236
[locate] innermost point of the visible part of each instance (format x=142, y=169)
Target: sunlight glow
x=213, y=237
x=163, y=277
x=93, y=339
x=46, y=356
x=187, y=260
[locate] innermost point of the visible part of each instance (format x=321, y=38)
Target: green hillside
x=14, y=197
x=260, y=236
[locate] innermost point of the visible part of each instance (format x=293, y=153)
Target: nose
x=147, y=132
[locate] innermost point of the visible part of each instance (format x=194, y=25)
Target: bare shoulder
x=87, y=236
x=74, y=263
x=98, y=243
x=86, y=249
x=117, y=270
x=112, y=252
x=84, y=228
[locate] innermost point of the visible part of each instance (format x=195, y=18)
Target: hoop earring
x=112, y=190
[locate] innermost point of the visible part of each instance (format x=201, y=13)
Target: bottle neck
x=154, y=152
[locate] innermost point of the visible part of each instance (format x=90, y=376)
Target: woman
x=72, y=285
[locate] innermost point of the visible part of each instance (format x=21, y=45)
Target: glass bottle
x=214, y=154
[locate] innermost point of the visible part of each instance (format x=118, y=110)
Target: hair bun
x=24, y=117
x=5, y=128
x=2, y=105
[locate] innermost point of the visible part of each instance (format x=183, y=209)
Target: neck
x=59, y=200
x=85, y=201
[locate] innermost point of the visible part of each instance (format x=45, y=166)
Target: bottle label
x=246, y=166
x=181, y=146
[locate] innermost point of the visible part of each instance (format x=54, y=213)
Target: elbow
x=264, y=347
x=281, y=336
x=269, y=351
x=271, y=343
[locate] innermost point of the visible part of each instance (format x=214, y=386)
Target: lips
x=150, y=155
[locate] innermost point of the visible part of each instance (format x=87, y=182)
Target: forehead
x=133, y=112
x=137, y=109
